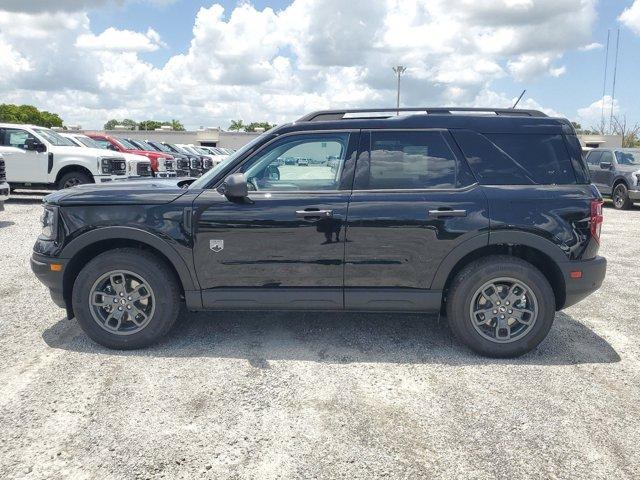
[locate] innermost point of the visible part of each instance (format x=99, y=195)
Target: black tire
x=620, y=196
x=471, y=278
x=73, y=179
x=159, y=276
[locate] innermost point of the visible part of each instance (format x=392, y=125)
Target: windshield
x=144, y=145
x=160, y=147
x=89, y=142
x=207, y=177
x=628, y=157
x=201, y=151
x=54, y=138
x=127, y=144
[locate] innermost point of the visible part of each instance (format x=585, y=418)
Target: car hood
x=134, y=157
x=84, y=151
x=155, y=191
x=147, y=152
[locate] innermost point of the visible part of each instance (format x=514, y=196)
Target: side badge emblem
x=216, y=245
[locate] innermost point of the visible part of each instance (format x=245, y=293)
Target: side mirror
x=112, y=147
x=235, y=186
x=606, y=165
x=34, y=145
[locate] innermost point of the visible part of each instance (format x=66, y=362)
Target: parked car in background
x=491, y=218
x=162, y=165
x=303, y=162
x=205, y=163
x=190, y=164
x=138, y=166
x=40, y=157
x=4, y=186
x=181, y=161
x=616, y=173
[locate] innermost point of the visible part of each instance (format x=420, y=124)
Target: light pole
x=399, y=70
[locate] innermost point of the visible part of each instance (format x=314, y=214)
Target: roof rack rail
x=327, y=115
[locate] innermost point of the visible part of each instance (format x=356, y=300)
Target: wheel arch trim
x=511, y=237
x=129, y=233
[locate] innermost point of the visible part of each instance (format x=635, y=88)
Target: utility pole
x=613, y=89
x=399, y=70
x=604, y=83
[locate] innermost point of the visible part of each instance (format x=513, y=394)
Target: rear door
x=414, y=201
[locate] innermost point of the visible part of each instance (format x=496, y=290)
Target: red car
x=162, y=164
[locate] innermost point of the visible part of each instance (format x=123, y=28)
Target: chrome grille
x=143, y=169
x=3, y=172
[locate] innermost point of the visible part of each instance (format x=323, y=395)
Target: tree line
x=10, y=113
x=144, y=125
x=238, y=125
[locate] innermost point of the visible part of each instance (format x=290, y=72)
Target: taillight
x=596, y=219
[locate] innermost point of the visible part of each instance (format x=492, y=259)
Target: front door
x=283, y=246
x=22, y=164
x=414, y=201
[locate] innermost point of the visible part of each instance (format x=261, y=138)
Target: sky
x=208, y=62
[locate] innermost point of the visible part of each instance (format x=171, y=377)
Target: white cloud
x=120, y=41
x=591, y=116
x=630, y=17
x=275, y=65
x=591, y=46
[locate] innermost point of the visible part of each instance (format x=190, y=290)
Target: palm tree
x=236, y=125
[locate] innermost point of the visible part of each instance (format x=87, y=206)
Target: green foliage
x=254, y=125
x=236, y=125
x=144, y=125
x=28, y=114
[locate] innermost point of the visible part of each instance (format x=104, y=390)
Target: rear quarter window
x=517, y=159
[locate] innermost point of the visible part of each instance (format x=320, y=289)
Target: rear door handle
x=314, y=213
x=447, y=213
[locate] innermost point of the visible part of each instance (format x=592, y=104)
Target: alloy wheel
x=619, y=196
x=503, y=310
x=122, y=302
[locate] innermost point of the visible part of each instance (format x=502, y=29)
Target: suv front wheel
x=500, y=306
x=126, y=298
x=621, y=200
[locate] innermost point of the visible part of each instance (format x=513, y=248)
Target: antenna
x=604, y=83
x=615, y=72
x=519, y=98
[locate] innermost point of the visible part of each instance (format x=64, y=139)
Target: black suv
x=488, y=216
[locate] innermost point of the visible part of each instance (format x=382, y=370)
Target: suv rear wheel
x=72, y=179
x=621, y=199
x=500, y=306
x=126, y=298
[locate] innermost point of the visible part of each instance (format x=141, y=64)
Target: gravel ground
x=273, y=395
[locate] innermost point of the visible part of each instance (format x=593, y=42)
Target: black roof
x=483, y=120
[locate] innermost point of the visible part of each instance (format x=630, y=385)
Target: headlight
x=49, y=220
x=638, y=178
x=106, y=165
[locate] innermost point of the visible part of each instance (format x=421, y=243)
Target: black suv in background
x=616, y=173
x=487, y=215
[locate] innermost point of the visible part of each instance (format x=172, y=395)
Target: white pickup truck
x=40, y=157
x=137, y=165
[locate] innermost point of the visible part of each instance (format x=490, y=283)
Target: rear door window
x=411, y=160
x=593, y=158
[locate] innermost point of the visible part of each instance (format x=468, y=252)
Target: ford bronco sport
x=486, y=215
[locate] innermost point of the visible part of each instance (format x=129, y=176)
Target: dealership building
x=210, y=137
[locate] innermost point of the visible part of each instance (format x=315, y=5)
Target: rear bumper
x=41, y=267
x=577, y=289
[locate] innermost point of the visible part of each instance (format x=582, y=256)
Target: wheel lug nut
x=502, y=317
x=129, y=298
x=128, y=307
x=115, y=300
x=120, y=308
x=121, y=294
x=507, y=303
x=498, y=302
x=495, y=311
x=510, y=311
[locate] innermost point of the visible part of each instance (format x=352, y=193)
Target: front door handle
x=447, y=213
x=314, y=214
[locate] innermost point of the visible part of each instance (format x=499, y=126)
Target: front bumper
x=41, y=265
x=164, y=174
x=592, y=275
x=634, y=195
x=4, y=194
x=109, y=178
